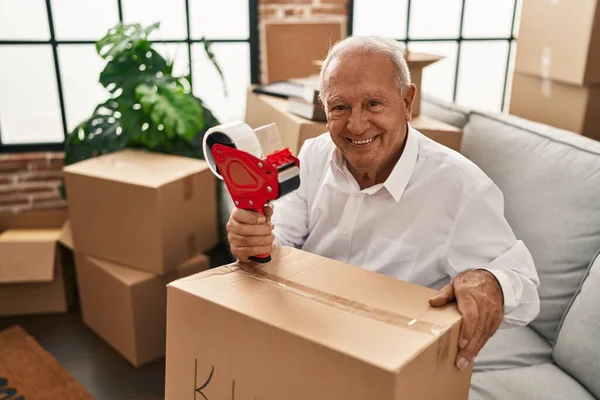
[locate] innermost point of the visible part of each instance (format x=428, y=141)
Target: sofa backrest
x=551, y=183
x=577, y=349
x=441, y=110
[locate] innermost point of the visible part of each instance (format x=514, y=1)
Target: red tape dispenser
x=234, y=154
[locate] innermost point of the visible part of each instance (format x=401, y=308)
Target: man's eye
x=374, y=103
x=339, y=108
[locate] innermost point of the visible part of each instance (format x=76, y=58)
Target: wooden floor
x=102, y=371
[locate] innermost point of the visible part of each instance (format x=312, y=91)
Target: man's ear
x=409, y=96
x=323, y=107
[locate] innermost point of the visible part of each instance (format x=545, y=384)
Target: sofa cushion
x=577, y=349
x=512, y=348
x=443, y=111
x=539, y=382
x=551, y=186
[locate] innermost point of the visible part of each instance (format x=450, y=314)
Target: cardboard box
x=36, y=272
x=263, y=109
x=145, y=210
x=289, y=46
x=34, y=219
x=127, y=307
x=570, y=107
x=306, y=327
x=560, y=40
x=448, y=135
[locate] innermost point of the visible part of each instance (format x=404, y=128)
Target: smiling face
x=367, y=114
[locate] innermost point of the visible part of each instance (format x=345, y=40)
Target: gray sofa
x=551, y=183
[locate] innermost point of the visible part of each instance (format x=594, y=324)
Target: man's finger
x=249, y=230
x=445, y=296
x=467, y=354
x=468, y=309
x=268, y=212
x=250, y=241
x=248, y=217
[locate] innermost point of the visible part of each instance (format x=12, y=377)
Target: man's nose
x=358, y=122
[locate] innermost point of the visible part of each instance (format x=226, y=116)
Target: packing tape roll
x=241, y=134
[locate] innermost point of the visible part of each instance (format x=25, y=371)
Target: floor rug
x=28, y=372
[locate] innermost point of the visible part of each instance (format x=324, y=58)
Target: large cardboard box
x=306, y=327
x=560, y=40
x=34, y=219
x=288, y=47
x=145, y=210
x=127, y=307
x=37, y=274
x=263, y=109
x=570, y=107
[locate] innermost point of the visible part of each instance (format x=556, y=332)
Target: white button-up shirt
x=436, y=215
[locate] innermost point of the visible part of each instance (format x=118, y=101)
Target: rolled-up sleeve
x=482, y=238
x=290, y=212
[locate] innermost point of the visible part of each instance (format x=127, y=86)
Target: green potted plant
x=149, y=107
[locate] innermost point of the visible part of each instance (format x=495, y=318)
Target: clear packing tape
x=341, y=303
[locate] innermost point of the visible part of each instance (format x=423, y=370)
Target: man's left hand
x=480, y=301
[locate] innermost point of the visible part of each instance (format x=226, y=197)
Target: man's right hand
x=250, y=233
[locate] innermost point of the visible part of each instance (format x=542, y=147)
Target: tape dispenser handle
x=261, y=258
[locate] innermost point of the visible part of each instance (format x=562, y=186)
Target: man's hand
x=250, y=233
x=480, y=301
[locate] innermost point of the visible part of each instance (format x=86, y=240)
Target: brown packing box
x=560, y=40
x=448, y=135
x=36, y=271
x=289, y=46
x=145, y=210
x=263, y=109
x=127, y=307
x=34, y=219
x=570, y=107
x=306, y=327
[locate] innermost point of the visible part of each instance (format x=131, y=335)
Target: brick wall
x=310, y=9
x=30, y=181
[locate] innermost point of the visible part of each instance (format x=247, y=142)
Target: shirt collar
x=398, y=180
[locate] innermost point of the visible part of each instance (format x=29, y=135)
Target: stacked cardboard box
x=36, y=263
x=139, y=220
x=307, y=327
x=557, y=71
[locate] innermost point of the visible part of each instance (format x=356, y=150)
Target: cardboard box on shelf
x=289, y=46
x=565, y=106
x=307, y=327
x=145, y=210
x=38, y=274
x=570, y=55
x=263, y=110
x=127, y=307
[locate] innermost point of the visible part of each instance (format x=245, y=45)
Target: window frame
x=459, y=40
x=252, y=40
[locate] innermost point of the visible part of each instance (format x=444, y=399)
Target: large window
x=476, y=37
x=49, y=67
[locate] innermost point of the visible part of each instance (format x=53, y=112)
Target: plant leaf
x=128, y=69
x=122, y=38
x=168, y=105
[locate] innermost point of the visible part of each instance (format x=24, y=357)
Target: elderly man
x=378, y=194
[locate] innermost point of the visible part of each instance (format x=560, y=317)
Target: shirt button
x=344, y=233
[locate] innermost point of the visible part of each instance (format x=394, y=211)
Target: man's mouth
x=362, y=142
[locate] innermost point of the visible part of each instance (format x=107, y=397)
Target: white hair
x=368, y=45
